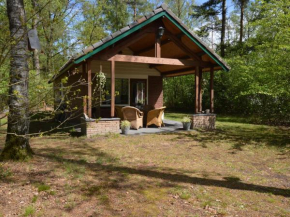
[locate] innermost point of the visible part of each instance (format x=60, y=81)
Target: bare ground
x=236, y=170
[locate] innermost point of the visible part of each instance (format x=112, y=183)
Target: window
x=121, y=89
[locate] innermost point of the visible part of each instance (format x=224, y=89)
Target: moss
x=14, y=150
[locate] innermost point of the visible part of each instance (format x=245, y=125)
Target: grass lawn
x=237, y=170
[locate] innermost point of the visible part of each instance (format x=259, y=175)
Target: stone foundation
x=91, y=127
x=205, y=121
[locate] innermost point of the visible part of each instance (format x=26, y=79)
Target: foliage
x=40, y=92
x=183, y=9
x=257, y=83
x=185, y=119
x=125, y=124
x=92, y=27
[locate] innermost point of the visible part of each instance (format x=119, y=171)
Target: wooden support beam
x=179, y=71
x=196, y=88
x=183, y=47
x=211, y=90
x=156, y=65
x=179, y=74
x=153, y=60
x=201, y=53
x=112, y=88
x=151, y=66
x=157, y=47
x=84, y=73
x=200, y=91
x=152, y=47
x=89, y=69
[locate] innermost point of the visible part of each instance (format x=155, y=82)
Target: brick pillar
x=155, y=91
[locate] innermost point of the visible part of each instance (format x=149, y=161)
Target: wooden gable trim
x=188, y=34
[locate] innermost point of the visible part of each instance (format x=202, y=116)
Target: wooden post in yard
x=211, y=91
x=89, y=88
x=112, y=88
x=196, y=88
x=200, y=90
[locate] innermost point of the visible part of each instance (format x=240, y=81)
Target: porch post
x=211, y=91
x=196, y=88
x=85, y=96
x=89, y=88
x=200, y=90
x=112, y=88
x=157, y=46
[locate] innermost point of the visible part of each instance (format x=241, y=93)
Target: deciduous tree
x=17, y=143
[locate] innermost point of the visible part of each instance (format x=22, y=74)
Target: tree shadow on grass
x=241, y=137
x=175, y=177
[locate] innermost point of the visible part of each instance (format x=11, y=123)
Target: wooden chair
x=134, y=115
x=119, y=113
x=155, y=117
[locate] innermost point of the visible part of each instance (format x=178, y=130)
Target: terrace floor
x=170, y=126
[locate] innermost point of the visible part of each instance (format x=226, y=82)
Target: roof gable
x=135, y=26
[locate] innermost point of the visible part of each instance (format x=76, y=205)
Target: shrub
x=186, y=120
x=125, y=124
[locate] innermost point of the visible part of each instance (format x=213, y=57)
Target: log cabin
x=135, y=60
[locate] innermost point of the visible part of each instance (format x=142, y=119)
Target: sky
x=230, y=4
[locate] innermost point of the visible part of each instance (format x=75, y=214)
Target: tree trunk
x=17, y=142
x=242, y=20
x=223, y=32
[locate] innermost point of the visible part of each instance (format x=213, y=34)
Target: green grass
x=29, y=211
x=233, y=130
x=42, y=187
x=34, y=199
x=4, y=172
x=177, y=116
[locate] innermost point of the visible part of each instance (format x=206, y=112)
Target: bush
x=125, y=123
x=186, y=120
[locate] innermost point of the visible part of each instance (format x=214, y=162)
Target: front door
x=138, y=91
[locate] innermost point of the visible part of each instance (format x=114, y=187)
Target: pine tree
x=211, y=9
x=242, y=4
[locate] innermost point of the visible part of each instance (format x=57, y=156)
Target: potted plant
x=125, y=127
x=186, y=122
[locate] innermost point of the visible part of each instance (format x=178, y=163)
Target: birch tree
x=17, y=145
